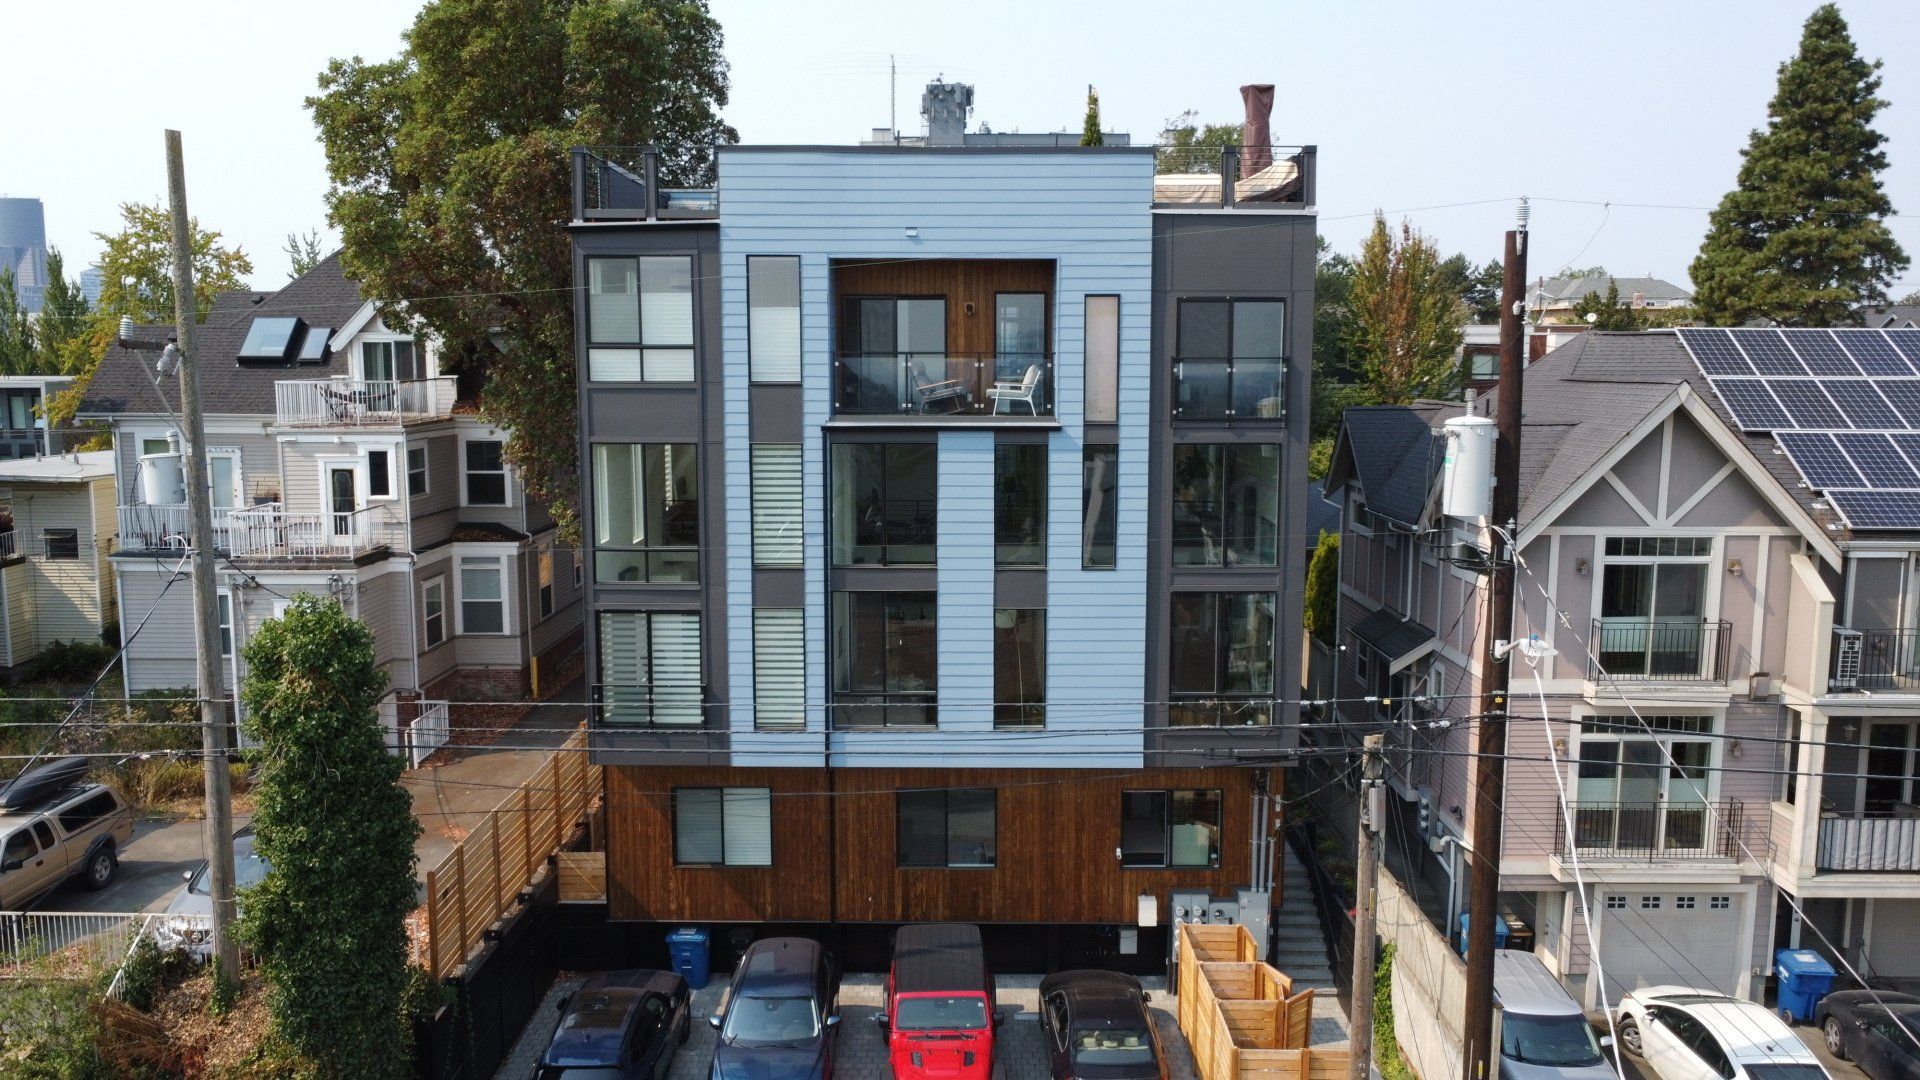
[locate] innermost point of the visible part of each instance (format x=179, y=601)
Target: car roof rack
x=42, y=783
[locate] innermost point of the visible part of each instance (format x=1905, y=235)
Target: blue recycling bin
x=1500, y=933
x=1805, y=978
x=691, y=950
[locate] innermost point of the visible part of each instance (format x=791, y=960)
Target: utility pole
x=1366, y=876
x=1489, y=759
x=206, y=623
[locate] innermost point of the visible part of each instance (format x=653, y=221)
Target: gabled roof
x=322, y=297
x=1323, y=514
x=1393, y=453
x=1571, y=289
x=1891, y=316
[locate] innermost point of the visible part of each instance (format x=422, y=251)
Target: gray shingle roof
x=323, y=297
x=1569, y=290
x=1323, y=515
x=1393, y=452
x=1392, y=636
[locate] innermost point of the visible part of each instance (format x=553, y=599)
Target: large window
x=773, y=318
x=1223, y=659
x=1643, y=793
x=640, y=319
x=1229, y=359
x=1226, y=504
x=1102, y=359
x=389, y=361
x=775, y=478
x=650, y=671
x=885, y=659
x=1170, y=828
x=1653, y=596
x=893, y=358
x=1019, y=667
x=944, y=827
x=883, y=504
x=486, y=468
x=779, y=668
x=1891, y=784
x=1020, y=504
x=646, y=512
x=722, y=826
x=1099, y=507
x=483, y=594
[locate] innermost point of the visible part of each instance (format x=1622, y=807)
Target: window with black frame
x=1222, y=663
x=640, y=319
x=1226, y=504
x=883, y=504
x=1019, y=667
x=1099, y=507
x=885, y=659
x=1230, y=359
x=646, y=512
x=893, y=358
x=1020, y=504
x=945, y=827
x=1179, y=828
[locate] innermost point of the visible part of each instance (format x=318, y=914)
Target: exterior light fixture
x=1734, y=567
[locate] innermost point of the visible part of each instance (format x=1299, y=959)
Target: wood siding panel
x=961, y=281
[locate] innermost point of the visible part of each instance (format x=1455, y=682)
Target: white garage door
x=1698, y=939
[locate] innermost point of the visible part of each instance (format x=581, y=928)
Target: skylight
x=268, y=338
x=314, y=348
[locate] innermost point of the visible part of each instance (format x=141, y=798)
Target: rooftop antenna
x=893, y=98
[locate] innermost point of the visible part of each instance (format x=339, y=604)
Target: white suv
x=1687, y=1034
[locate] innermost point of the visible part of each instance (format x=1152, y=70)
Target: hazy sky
x=1417, y=107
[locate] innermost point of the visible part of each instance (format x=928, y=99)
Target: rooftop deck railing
x=943, y=385
x=1233, y=175
x=361, y=402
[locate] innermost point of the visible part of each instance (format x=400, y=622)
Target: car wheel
x=1836, y=1039
x=1630, y=1036
x=99, y=872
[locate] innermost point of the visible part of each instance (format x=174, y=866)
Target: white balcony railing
x=361, y=402
x=7, y=550
x=1869, y=843
x=145, y=527
x=269, y=531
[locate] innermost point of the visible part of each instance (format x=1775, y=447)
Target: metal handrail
x=1883, y=659
x=1652, y=830
x=1659, y=650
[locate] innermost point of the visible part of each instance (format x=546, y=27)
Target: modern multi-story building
x=1718, y=533
x=343, y=461
x=942, y=504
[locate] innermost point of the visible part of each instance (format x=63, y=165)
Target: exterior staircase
x=1300, y=949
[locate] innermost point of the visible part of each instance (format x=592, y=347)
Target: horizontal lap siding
x=965, y=560
x=160, y=656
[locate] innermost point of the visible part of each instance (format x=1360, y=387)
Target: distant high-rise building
x=23, y=248
x=92, y=281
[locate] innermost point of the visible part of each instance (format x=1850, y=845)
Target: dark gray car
x=779, y=1020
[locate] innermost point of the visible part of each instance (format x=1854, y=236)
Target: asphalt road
x=151, y=870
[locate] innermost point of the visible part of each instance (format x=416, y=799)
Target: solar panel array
x=1844, y=405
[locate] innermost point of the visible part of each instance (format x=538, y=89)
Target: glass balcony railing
x=943, y=385
x=1229, y=389
x=899, y=709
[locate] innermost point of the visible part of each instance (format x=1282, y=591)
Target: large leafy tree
x=1406, y=313
x=16, y=330
x=1187, y=145
x=449, y=170
x=332, y=821
x=1802, y=239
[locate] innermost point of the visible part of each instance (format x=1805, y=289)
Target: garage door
x=1698, y=939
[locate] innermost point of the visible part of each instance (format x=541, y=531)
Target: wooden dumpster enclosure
x=1241, y=1016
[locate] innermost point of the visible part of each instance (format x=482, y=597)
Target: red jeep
x=939, y=1013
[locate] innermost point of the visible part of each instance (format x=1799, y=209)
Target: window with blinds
x=779, y=668
x=776, y=505
x=722, y=827
x=773, y=318
x=649, y=669
x=640, y=319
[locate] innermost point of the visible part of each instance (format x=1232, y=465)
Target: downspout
x=413, y=613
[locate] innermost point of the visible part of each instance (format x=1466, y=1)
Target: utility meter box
x=1189, y=907
x=1224, y=912
x=1256, y=914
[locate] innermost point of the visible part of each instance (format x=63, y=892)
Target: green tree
x=449, y=172
x=16, y=330
x=61, y=330
x=303, y=252
x=1609, y=312
x=1803, y=239
x=1323, y=588
x=1190, y=146
x=1090, y=128
x=1405, y=317
x=1479, y=288
x=328, y=922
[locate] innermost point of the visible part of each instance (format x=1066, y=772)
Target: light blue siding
x=1090, y=214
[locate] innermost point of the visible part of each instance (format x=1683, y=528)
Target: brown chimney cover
x=1256, y=136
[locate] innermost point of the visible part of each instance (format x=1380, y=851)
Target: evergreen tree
x=1406, y=315
x=1090, y=129
x=1803, y=239
x=1323, y=588
x=1609, y=312
x=61, y=331
x=16, y=332
x=303, y=253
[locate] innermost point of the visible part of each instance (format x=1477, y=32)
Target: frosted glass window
x=773, y=318
x=613, y=309
x=666, y=300
x=1102, y=359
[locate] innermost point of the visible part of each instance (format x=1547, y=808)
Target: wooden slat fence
x=1241, y=1017
x=480, y=879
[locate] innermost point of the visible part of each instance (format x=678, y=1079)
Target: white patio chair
x=1025, y=389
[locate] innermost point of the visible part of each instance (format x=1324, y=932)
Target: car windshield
x=958, y=1013
x=768, y=1021
x=248, y=869
x=1110, y=1046
x=1789, y=1071
x=1548, y=1040
x=555, y=1072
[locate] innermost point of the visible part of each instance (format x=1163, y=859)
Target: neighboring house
x=1479, y=351
x=944, y=507
x=1687, y=556
x=1892, y=317
x=56, y=570
x=1551, y=300
x=343, y=462
x=24, y=431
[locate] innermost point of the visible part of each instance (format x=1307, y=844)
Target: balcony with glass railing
x=359, y=403
x=940, y=386
x=1249, y=388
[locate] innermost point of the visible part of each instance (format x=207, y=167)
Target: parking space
x=1839, y=1070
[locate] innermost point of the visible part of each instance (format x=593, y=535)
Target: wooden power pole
x=206, y=622
x=1483, y=896
x=1366, y=875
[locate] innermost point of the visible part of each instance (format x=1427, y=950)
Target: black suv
x=779, y=1020
x=621, y=1025
x=1097, y=1025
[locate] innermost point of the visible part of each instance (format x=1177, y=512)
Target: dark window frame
x=639, y=343
x=656, y=563
x=673, y=802
x=1220, y=706
x=885, y=506
x=1028, y=713
x=851, y=704
x=1223, y=381
x=1226, y=507
x=945, y=814
x=1092, y=543
x=1009, y=546
x=1129, y=861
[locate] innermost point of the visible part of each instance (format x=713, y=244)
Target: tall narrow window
x=379, y=474
x=650, y=670
x=225, y=602
x=545, y=569
x=1020, y=504
x=723, y=826
x=1102, y=359
x=773, y=318
x=776, y=504
x=417, y=470
x=1019, y=667
x=779, y=668
x=1226, y=504
x=1223, y=659
x=640, y=319
x=885, y=659
x=1099, y=507
x=483, y=594
x=486, y=469
x=945, y=827
x=646, y=512
x=433, y=610
x=883, y=504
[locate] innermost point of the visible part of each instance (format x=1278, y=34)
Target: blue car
x=780, y=1019
x=620, y=1025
